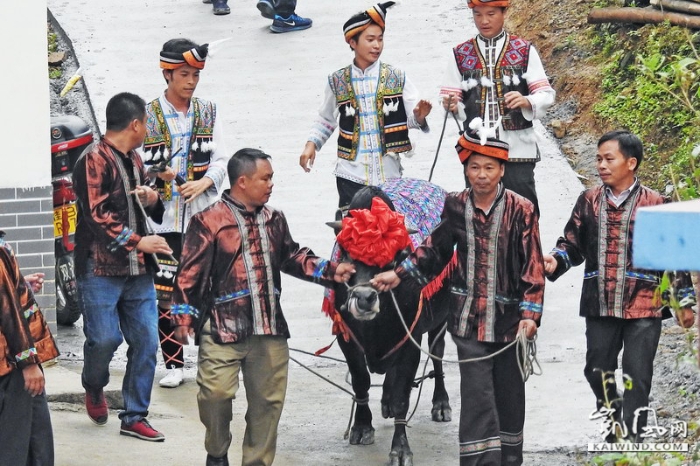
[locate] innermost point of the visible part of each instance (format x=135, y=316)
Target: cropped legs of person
x=171, y=349
x=346, y=190
x=264, y=363
x=605, y=337
x=25, y=424
x=112, y=307
x=492, y=415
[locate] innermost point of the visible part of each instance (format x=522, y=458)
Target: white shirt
x=371, y=166
x=177, y=214
x=523, y=143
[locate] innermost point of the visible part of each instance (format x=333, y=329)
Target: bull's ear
x=337, y=225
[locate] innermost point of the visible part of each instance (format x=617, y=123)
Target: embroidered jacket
x=388, y=106
x=110, y=224
x=230, y=271
x=482, y=71
x=202, y=153
x=499, y=276
x=25, y=337
x=374, y=109
x=600, y=234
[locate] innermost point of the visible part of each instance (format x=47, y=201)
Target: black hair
x=244, y=162
x=178, y=46
x=124, y=108
x=630, y=144
x=363, y=198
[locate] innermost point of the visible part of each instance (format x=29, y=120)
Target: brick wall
x=26, y=217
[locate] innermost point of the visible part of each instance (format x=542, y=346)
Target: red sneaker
x=96, y=407
x=143, y=430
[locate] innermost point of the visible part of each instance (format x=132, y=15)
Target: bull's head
x=372, y=237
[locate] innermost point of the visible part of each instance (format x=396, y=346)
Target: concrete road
x=268, y=88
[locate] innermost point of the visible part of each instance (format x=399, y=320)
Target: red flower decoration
x=374, y=236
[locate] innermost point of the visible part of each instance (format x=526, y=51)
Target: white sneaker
x=173, y=379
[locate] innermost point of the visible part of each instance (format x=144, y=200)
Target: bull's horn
x=411, y=231
x=337, y=225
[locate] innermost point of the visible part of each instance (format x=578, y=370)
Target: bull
x=374, y=339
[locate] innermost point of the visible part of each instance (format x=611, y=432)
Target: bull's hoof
x=441, y=412
x=362, y=435
x=400, y=458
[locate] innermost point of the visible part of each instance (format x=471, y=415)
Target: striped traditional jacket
x=25, y=337
x=498, y=278
x=600, y=234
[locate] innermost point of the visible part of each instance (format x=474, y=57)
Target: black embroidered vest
x=158, y=140
x=393, y=125
x=511, y=64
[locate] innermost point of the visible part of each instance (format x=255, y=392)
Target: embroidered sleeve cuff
x=126, y=239
x=323, y=269
x=686, y=297
x=183, y=310
x=407, y=269
x=562, y=256
x=217, y=175
x=26, y=357
x=531, y=309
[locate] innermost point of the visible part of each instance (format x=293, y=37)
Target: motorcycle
x=70, y=135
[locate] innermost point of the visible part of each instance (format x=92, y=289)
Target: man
x=228, y=292
x=617, y=300
x=373, y=104
x=497, y=290
x=281, y=12
x=496, y=84
x=189, y=128
x=25, y=342
x=113, y=264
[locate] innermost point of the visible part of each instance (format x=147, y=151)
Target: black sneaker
x=293, y=23
x=220, y=7
x=267, y=9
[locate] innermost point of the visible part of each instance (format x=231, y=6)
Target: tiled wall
x=26, y=217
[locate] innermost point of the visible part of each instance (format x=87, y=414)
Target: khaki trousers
x=264, y=361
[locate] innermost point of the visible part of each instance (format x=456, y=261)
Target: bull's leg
x=387, y=392
x=405, y=371
x=362, y=432
x=441, y=411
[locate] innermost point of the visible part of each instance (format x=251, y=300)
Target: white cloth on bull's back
x=421, y=204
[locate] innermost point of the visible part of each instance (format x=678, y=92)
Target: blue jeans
x=112, y=307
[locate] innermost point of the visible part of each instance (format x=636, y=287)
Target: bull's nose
x=367, y=300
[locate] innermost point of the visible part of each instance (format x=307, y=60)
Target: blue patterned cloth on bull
x=420, y=202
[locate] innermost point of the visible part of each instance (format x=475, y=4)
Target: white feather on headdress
x=483, y=128
x=214, y=47
x=476, y=123
x=486, y=82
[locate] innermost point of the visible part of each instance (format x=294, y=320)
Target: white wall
x=25, y=150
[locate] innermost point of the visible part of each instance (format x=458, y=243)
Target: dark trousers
x=605, y=337
x=26, y=437
x=519, y=177
x=165, y=282
x=493, y=405
x=346, y=190
x=284, y=8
